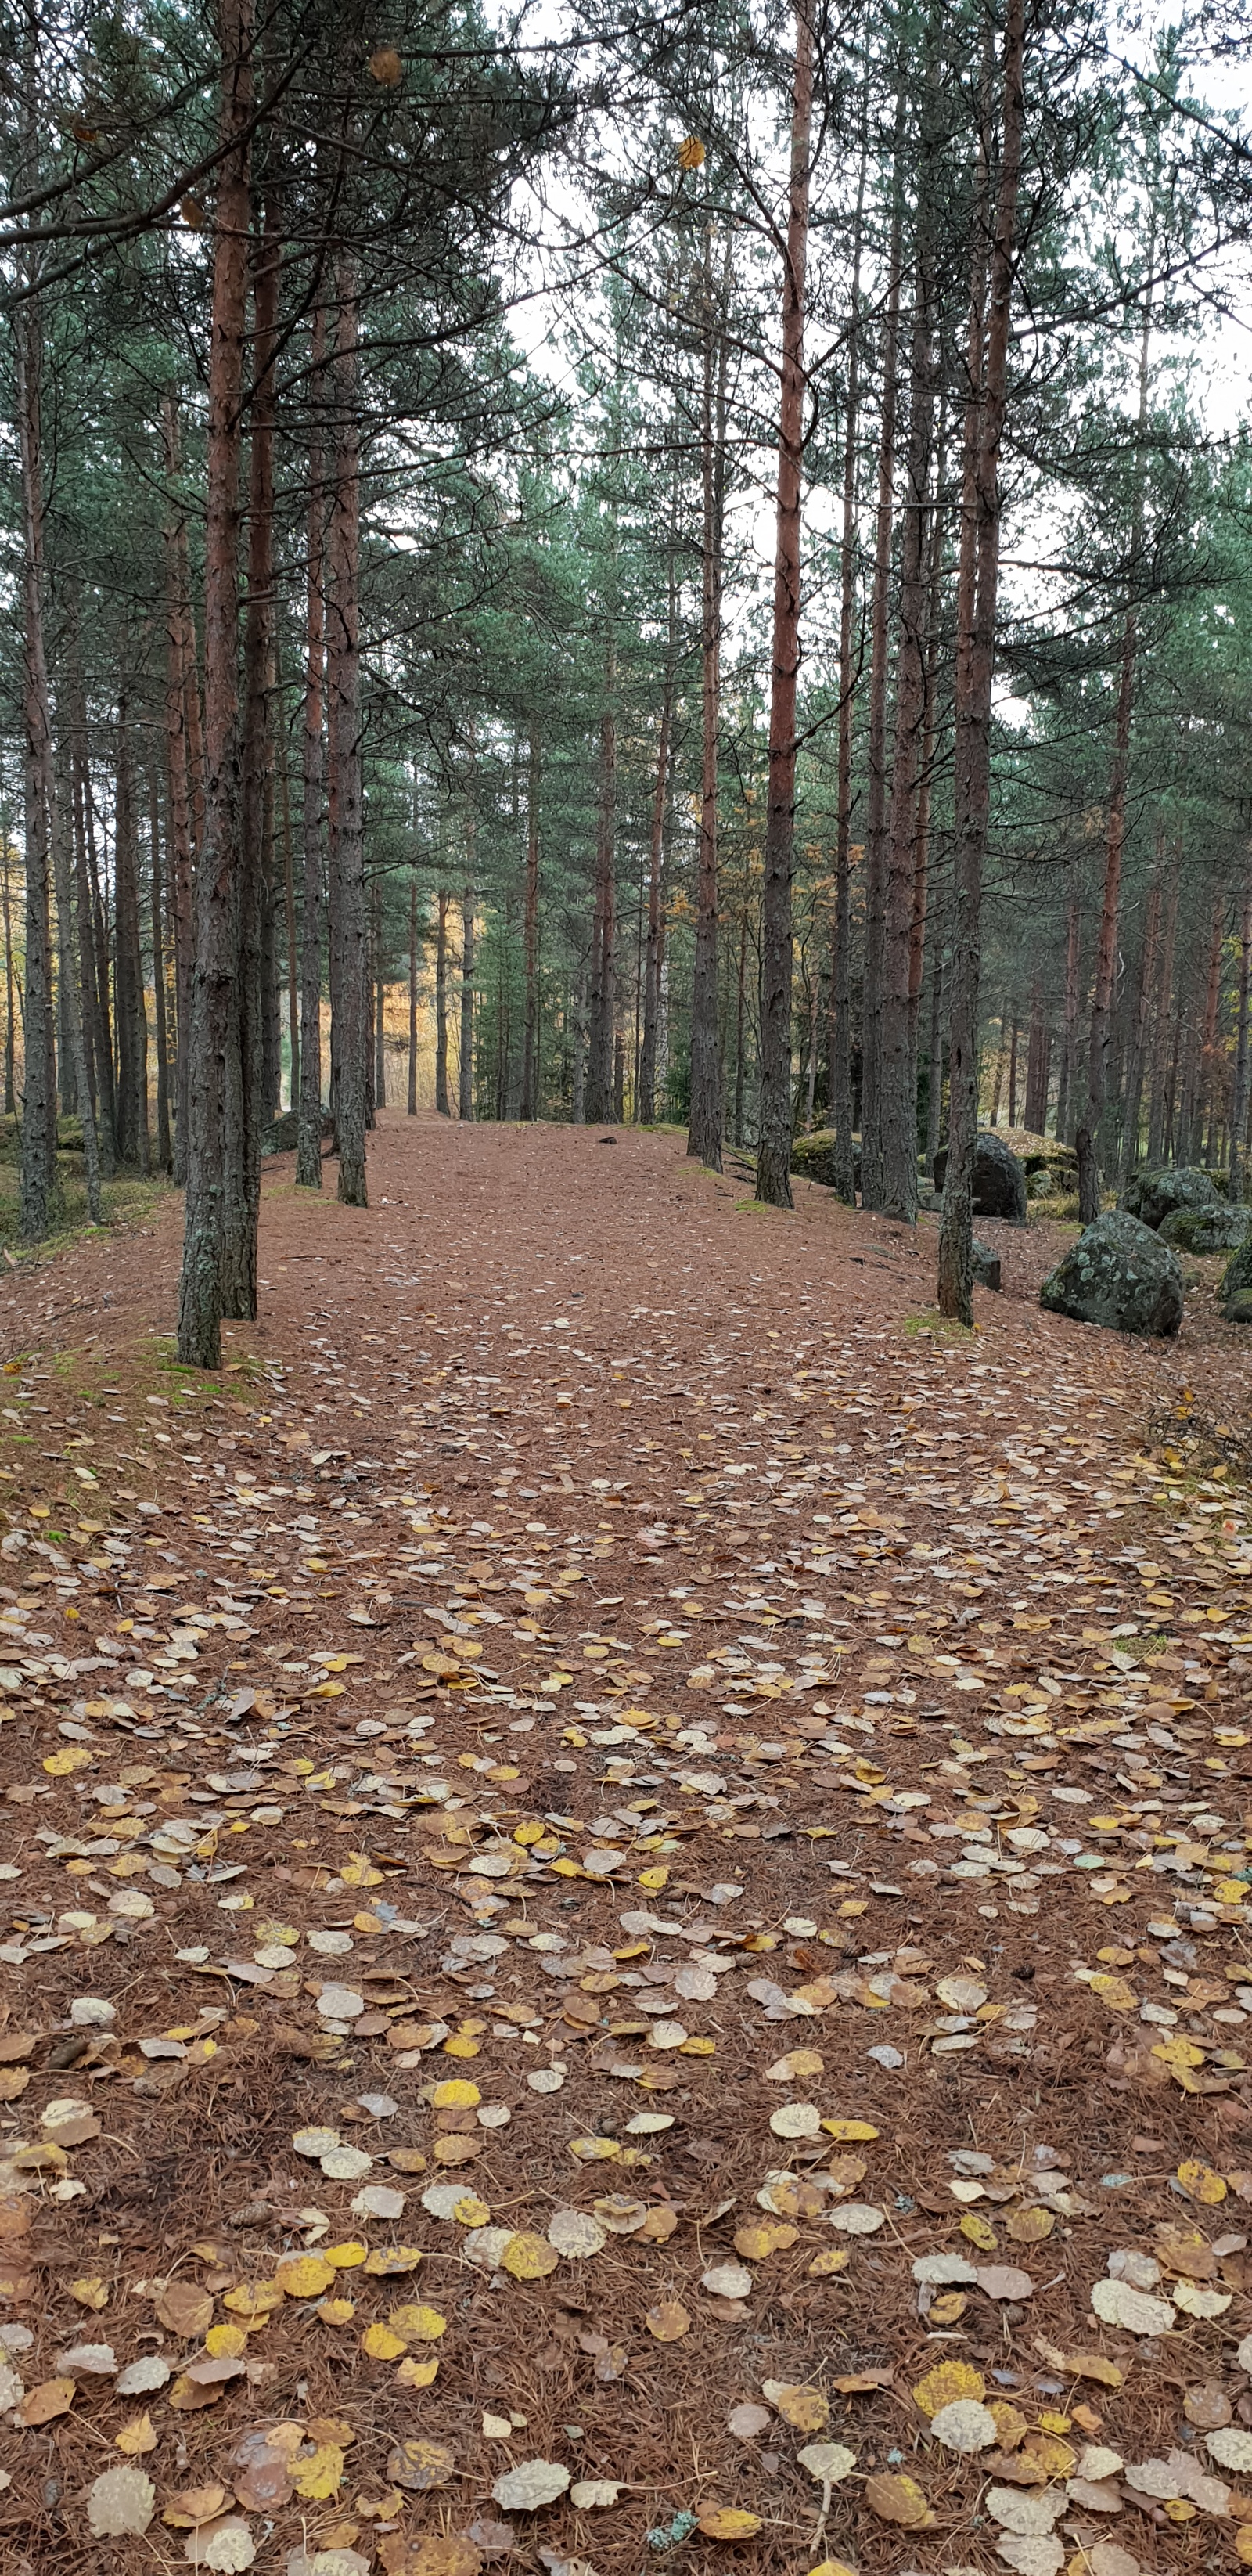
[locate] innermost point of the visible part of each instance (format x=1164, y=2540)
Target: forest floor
x=626, y=1884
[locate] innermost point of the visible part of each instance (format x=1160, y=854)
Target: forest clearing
x=625, y=1853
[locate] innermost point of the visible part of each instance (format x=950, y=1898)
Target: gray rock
x=1154, y=1195
x=999, y=1178
x=1237, y=1284
x=986, y=1265
x=283, y=1134
x=1118, y=1274
x=1215, y=1228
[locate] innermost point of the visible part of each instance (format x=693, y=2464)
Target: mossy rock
x=1153, y=1195
x=814, y=1158
x=1041, y=1153
x=1217, y=1228
x=1118, y=1274
x=1236, y=1283
x=1237, y=1308
x=999, y=1178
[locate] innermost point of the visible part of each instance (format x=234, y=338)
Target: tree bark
x=131, y=1012
x=165, y=1155
x=843, y=1164
x=380, y=989
x=212, y=1030
x=872, y=1179
x=442, y=1101
x=349, y=1047
x=530, y=938
x=312, y=766
x=977, y=586
x=1142, y=1015
x=705, y=1117
x=1158, y=1101
x=1237, y=1186
x=38, y=1182
x=599, y=1104
x=412, y=1100
x=465, y=1099
x=897, y=1140
x=179, y=686
x=773, y=1168
x=249, y=1064
x=1106, y=952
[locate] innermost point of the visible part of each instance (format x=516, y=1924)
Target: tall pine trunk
x=843, y=1171
x=773, y=1167
x=599, y=1104
x=530, y=937
x=876, y=816
x=212, y=1018
x=705, y=1123
x=247, y=1069
x=131, y=1011
x=1089, y=1125
x=39, y=1183
x=180, y=685
x=313, y=782
x=343, y=674
x=1237, y=1186
x=442, y=1102
x=165, y=1154
x=977, y=589
x=412, y=1099
x=898, y=1093
x=465, y=1089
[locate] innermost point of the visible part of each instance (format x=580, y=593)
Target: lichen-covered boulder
x=813, y=1157
x=1216, y=1228
x=1118, y=1274
x=1235, y=1291
x=283, y=1133
x=999, y=1178
x=986, y=1264
x=1154, y=1195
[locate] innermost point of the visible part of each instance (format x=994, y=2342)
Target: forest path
x=601, y=1754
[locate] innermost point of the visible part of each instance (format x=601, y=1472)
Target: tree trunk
x=343, y=672
x=10, y=1002
x=312, y=762
x=380, y=988
x=705, y=1117
x=212, y=1032
x=39, y=1181
x=1014, y=1035
x=530, y=938
x=289, y=899
x=131, y=1013
x=977, y=586
x=1106, y=951
x=249, y=1068
x=179, y=685
x=465, y=1100
x=872, y=1182
x=412, y=1099
x=1158, y=1116
x=1237, y=1187
x=741, y=1005
x=934, y=1075
x=843, y=1167
x=1142, y=1012
x=442, y=1102
x=165, y=1157
x=599, y=1106
x=897, y=1137
x=773, y=1168
x=1207, y=1072
x=578, y=1067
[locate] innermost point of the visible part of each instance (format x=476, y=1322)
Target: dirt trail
x=606, y=1754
